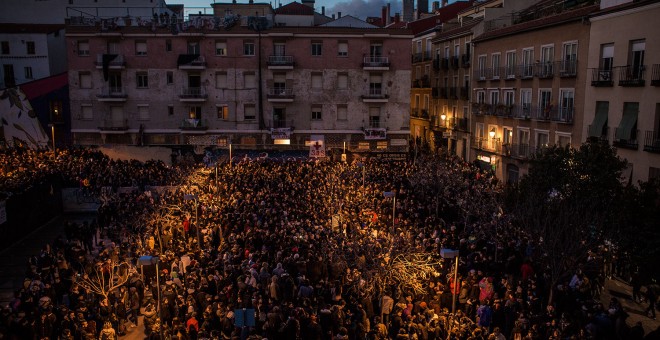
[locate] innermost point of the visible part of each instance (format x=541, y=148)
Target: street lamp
x=191, y=197
x=147, y=261
x=492, y=133
x=447, y=253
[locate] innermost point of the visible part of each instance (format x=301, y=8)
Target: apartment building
x=528, y=85
x=622, y=105
x=241, y=81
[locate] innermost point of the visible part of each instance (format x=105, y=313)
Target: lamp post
x=191, y=197
x=446, y=253
x=146, y=261
x=52, y=132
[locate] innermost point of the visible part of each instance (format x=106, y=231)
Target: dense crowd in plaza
x=308, y=246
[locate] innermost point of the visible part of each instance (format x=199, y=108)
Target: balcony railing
x=652, y=141
x=464, y=93
x=442, y=93
x=567, y=68
x=420, y=113
x=543, y=113
x=655, y=75
x=495, y=73
x=191, y=61
x=423, y=82
x=632, y=75
x=428, y=55
x=375, y=93
x=435, y=92
x=510, y=72
x=545, y=69
x=465, y=60
x=282, y=123
x=461, y=124
x=486, y=144
x=453, y=62
x=417, y=57
x=112, y=62
x=526, y=71
x=453, y=93
x=503, y=110
x=192, y=124
x=114, y=125
x=112, y=92
x=630, y=143
x=602, y=77
x=518, y=150
x=603, y=135
x=280, y=92
x=376, y=61
x=444, y=63
x=436, y=64
x=280, y=60
x=193, y=93
x=523, y=112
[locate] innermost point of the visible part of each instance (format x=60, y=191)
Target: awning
x=600, y=119
x=628, y=121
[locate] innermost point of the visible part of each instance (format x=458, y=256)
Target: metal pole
x=453, y=300
x=52, y=130
x=230, y=155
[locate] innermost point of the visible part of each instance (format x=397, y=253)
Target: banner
x=375, y=133
x=3, y=212
x=280, y=133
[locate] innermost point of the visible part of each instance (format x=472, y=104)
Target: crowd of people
x=297, y=249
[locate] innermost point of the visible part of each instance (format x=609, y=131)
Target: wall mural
x=19, y=121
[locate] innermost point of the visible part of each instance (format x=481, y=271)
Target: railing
x=652, y=141
x=480, y=74
x=435, y=92
x=495, y=73
x=602, y=77
x=563, y=115
x=545, y=69
x=114, y=125
x=194, y=124
x=503, y=110
x=112, y=92
x=453, y=93
x=461, y=124
x=193, y=93
x=465, y=60
x=543, y=113
x=629, y=143
x=280, y=92
x=632, y=75
x=444, y=63
x=417, y=57
x=602, y=136
x=428, y=55
x=375, y=94
x=376, y=61
x=422, y=82
x=567, y=68
x=420, y=113
x=197, y=62
x=655, y=75
x=523, y=112
x=483, y=143
x=442, y=94
x=453, y=61
x=510, y=72
x=436, y=64
x=518, y=150
x=282, y=123
x=117, y=61
x=526, y=71
x=464, y=93
x=280, y=60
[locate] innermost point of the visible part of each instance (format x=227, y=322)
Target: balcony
x=543, y=113
x=113, y=61
x=453, y=62
x=626, y=143
x=503, y=110
x=435, y=92
x=193, y=125
x=282, y=123
x=280, y=62
x=436, y=64
x=191, y=62
x=461, y=124
x=453, y=93
x=444, y=63
x=652, y=141
x=545, y=70
x=114, y=125
x=465, y=60
x=602, y=77
x=563, y=115
x=428, y=55
x=376, y=63
x=526, y=71
x=521, y=151
x=417, y=57
x=375, y=95
x=193, y=94
x=280, y=95
x=495, y=73
x=523, y=112
x=602, y=135
x=567, y=68
x=510, y=72
x=442, y=93
x=422, y=82
x=464, y=93
x=631, y=76
x=655, y=75
x=419, y=113
x=112, y=94
x=485, y=144
x=481, y=74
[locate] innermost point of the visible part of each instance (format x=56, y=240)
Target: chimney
x=435, y=6
x=338, y=15
x=333, y=17
x=383, y=13
x=388, y=16
x=322, y=10
x=397, y=18
x=445, y=2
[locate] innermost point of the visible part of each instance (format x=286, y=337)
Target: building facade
x=623, y=98
x=528, y=86
x=210, y=84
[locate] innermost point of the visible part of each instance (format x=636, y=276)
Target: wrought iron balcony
x=194, y=124
x=503, y=110
x=422, y=82
x=281, y=60
x=602, y=135
x=420, y=113
x=522, y=151
x=112, y=93
x=462, y=124
x=417, y=57
x=436, y=64
x=632, y=75
x=376, y=62
x=453, y=93
x=464, y=93
x=111, y=61
x=602, y=77
x=444, y=63
x=280, y=92
x=510, y=72
x=191, y=62
x=193, y=94
x=465, y=60
x=375, y=93
x=655, y=75
x=453, y=62
x=526, y=71
x=652, y=141
x=567, y=68
x=629, y=143
x=545, y=70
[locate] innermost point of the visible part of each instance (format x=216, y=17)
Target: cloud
x=363, y=8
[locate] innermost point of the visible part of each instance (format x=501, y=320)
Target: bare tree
x=105, y=277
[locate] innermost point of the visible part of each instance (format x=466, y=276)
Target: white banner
x=3, y=212
x=375, y=133
x=280, y=133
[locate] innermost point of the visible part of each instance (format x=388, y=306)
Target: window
x=56, y=111
x=250, y=80
x=545, y=103
x=563, y=139
x=248, y=48
x=375, y=84
x=547, y=58
x=376, y=49
x=317, y=48
x=170, y=77
x=250, y=112
x=494, y=97
x=457, y=50
x=528, y=63
x=567, y=105
x=168, y=45
x=28, y=72
x=507, y=135
x=495, y=58
x=85, y=79
x=342, y=112
x=222, y=111
x=419, y=47
x=317, y=81
x=221, y=80
x=374, y=117
x=143, y=112
x=170, y=110
x=637, y=48
x=342, y=49
x=569, y=55
x=86, y=112
x=481, y=96
x=29, y=46
x=606, y=57
x=221, y=48
x=83, y=47
x=142, y=80
x=542, y=139
x=5, y=47
x=627, y=129
x=279, y=49
x=193, y=47
x=526, y=102
x=427, y=71
x=113, y=47
x=481, y=62
x=509, y=98
x=510, y=64
x=195, y=112
x=140, y=48
x=479, y=128
x=316, y=112
x=523, y=136
x=342, y=81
